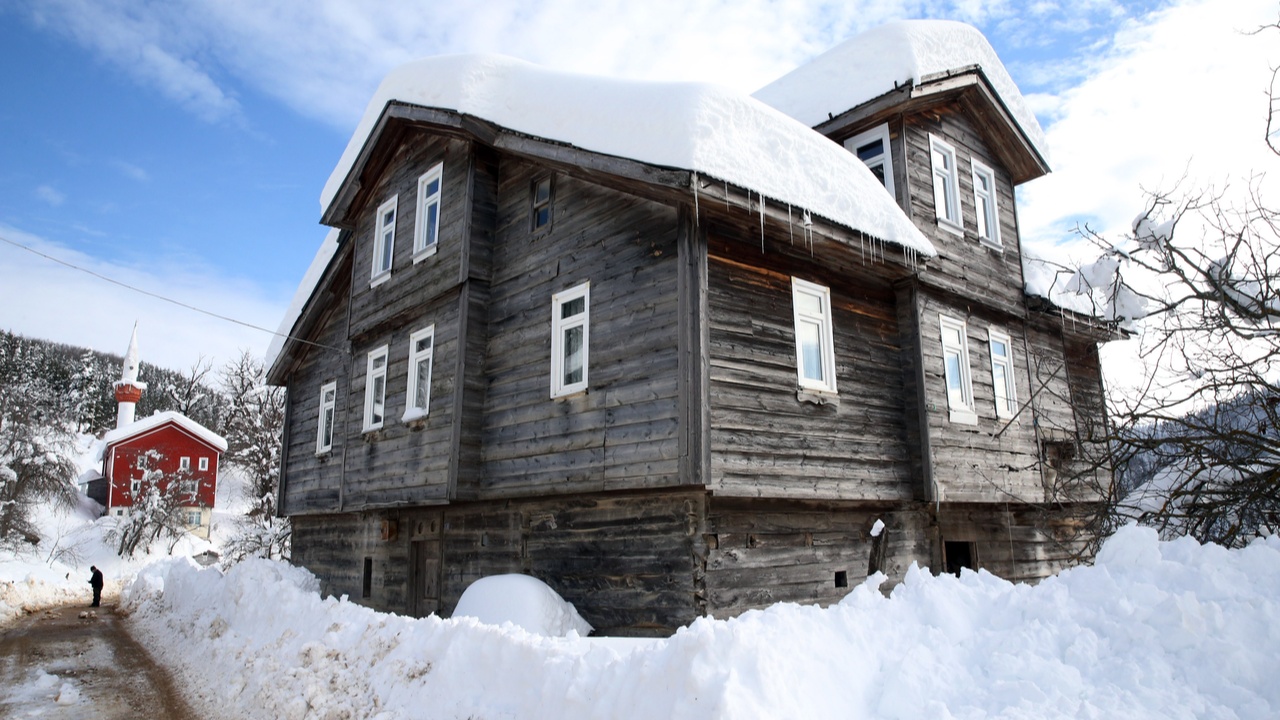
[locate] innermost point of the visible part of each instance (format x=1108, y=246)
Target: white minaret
x=128, y=389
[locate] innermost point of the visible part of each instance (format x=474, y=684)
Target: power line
x=179, y=303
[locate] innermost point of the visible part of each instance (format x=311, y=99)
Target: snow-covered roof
x=708, y=129
x=309, y=281
x=881, y=59
x=161, y=418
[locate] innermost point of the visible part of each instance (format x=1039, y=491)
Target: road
x=79, y=662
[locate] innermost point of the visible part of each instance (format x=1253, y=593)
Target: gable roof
x=707, y=129
x=885, y=58
x=145, y=425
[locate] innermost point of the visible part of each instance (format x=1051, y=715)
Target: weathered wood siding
x=761, y=552
x=1020, y=543
x=312, y=482
x=996, y=459
x=769, y=439
x=623, y=431
x=964, y=265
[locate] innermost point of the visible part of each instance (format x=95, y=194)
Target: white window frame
x=325, y=420
x=1006, y=392
x=946, y=185
x=204, y=463
x=962, y=409
x=426, y=230
x=373, y=396
x=412, y=410
x=561, y=325
x=826, y=340
x=384, y=241
x=985, y=207
x=184, y=463
x=880, y=133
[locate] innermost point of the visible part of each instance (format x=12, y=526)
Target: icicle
x=726, y=194
x=790, y=228
x=696, y=211
x=762, y=223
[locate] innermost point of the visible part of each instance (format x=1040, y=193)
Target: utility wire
x=179, y=303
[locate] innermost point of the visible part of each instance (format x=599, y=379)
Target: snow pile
x=1155, y=630
x=1094, y=289
x=879, y=60
x=524, y=601
x=708, y=129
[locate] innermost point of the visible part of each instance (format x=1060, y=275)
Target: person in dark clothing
x=95, y=581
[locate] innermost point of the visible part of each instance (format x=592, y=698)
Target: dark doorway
x=959, y=555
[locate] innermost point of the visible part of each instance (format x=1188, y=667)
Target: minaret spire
x=128, y=389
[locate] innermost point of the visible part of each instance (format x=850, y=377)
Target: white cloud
x=50, y=195
x=41, y=298
x=131, y=171
x=1180, y=92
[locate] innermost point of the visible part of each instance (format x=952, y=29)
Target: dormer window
x=984, y=204
x=384, y=241
x=872, y=148
x=946, y=195
x=540, y=204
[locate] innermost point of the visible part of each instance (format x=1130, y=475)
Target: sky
x=180, y=146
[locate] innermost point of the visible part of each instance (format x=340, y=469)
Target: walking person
x=95, y=581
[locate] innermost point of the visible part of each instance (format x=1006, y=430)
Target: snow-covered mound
x=713, y=130
x=524, y=601
x=1154, y=630
x=881, y=59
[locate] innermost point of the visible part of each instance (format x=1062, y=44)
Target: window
x=420, y=350
x=384, y=241
x=134, y=484
x=955, y=365
x=984, y=204
x=872, y=148
x=946, y=198
x=815, y=351
x=426, y=228
x=540, y=203
x=570, y=339
x=375, y=389
x=204, y=463
x=184, y=463
x=1002, y=374
x=193, y=518
x=324, y=433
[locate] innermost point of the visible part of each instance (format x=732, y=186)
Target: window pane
x=999, y=349
x=379, y=362
x=386, y=250
x=389, y=218
x=422, y=386
x=808, y=304
x=379, y=397
x=328, y=395
x=542, y=216
x=955, y=387
x=433, y=212
x=328, y=427
x=542, y=191
x=573, y=354
x=871, y=151
x=573, y=307
x=877, y=169
x=810, y=341
x=433, y=187
x=423, y=345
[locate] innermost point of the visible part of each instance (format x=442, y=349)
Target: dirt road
x=57, y=664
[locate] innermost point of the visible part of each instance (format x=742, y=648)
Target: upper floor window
x=184, y=463
x=984, y=204
x=946, y=194
x=955, y=367
x=375, y=389
x=1002, y=374
x=540, y=203
x=872, y=148
x=570, y=339
x=426, y=229
x=204, y=463
x=815, y=348
x=421, y=347
x=324, y=431
x=384, y=241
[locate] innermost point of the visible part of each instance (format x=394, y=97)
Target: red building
x=158, y=452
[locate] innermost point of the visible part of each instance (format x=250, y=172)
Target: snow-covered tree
x=35, y=461
x=253, y=429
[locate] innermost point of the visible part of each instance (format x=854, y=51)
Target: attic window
x=946, y=195
x=426, y=230
x=384, y=241
x=540, y=203
x=872, y=148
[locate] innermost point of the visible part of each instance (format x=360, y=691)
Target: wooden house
x=678, y=354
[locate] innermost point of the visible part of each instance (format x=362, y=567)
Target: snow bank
x=1155, y=630
x=525, y=602
x=879, y=60
x=712, y=130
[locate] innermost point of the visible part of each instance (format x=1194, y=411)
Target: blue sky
x=181, y=146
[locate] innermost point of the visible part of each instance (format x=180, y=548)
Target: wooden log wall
x=964, y=265
x=623, y=431
x=767, y=437
x=1020, y=543
x=996, y=459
